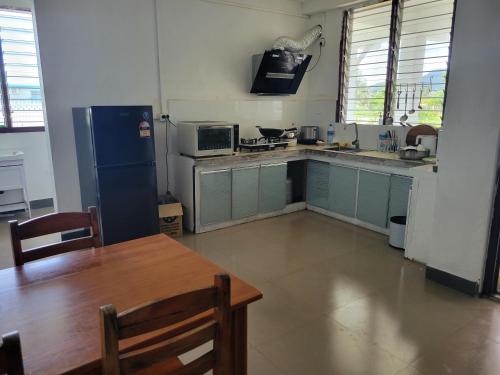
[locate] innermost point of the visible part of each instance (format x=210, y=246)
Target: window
x=21, y=103
x=394, y=60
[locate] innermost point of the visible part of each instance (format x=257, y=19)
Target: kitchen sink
x=343, y=149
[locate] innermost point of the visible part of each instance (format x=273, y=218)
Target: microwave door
x=214, y=140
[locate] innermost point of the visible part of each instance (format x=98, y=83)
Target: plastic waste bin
x=397, y=231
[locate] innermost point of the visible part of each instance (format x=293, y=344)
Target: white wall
x=323, y=80
x=105, y=52
x=469, y=144
x=206, y=47
x=37, y=165
x=321, y=6
x=206, y=64
x=93, y=52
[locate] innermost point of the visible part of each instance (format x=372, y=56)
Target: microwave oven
x=207, y=138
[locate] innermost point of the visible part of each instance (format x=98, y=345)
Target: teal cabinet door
x=245, y=192
x=215, y=197
x=343, y=190
x=399, y=195
x=373, y=197
x=272, y=187
x=318, y=184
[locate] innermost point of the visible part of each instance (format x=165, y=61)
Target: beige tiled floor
x=338, y=300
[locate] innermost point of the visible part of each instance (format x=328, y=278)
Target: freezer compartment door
x=128, y=202
x=122, y=135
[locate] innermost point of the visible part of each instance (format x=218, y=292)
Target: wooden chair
x=160, y=356
x=54, y=223
x=11, y=359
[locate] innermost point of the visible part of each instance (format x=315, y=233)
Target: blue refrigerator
x=117, y=169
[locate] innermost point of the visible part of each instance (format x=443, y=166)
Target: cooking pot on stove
x=275, y=132
x=308, y=135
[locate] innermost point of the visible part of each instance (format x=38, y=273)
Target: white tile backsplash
x=248, y=114
x=274, y=112
x=322, y=113
x=368, y=134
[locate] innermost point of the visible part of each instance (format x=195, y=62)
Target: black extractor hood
x=279, y=71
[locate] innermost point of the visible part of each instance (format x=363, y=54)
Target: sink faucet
x=355, y=143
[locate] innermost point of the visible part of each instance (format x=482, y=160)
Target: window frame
x=4, y=96
x=392, y=65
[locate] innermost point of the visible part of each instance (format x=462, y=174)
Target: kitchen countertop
x=371, y=157
x=423, y=170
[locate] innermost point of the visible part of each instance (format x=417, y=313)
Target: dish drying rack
x=388, y=141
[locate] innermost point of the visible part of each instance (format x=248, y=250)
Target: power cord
x=166, y=118
x=321, y=44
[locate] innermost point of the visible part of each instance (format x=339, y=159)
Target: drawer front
x=215, y=197
x=245, y=192
x=11, y=178
x=343, y=190
x=272, y=191
x=373, y=197
x=11, y=196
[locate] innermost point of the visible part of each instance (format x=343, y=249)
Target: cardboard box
x=171, y=219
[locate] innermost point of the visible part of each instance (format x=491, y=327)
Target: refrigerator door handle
x=150, y=163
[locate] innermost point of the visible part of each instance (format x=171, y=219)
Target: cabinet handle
x=374, y=172
x=246, y=168
x=344, y=166
x=217, y=171
x=272, y=165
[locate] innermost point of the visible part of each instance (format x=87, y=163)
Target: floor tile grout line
x=444, y=338
x=270, y=360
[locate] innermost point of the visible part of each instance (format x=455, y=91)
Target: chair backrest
x=161, y=314
x=11, y=359
x=54, y=223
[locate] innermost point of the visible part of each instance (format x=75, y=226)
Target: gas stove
x=262, y=144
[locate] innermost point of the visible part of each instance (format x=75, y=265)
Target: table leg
x=239, y=341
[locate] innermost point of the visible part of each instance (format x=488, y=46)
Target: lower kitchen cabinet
x=318, y=184
x=245, y=192
x=272, y=187
x=399, y=195
x=343, y=189
x=215, y=196
x=369, y=196
x=373, y=197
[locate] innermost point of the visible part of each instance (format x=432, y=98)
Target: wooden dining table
x=54, y=303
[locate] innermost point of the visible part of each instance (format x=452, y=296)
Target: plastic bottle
x=330, y=134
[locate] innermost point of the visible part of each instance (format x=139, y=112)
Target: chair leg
x=17, y=250
x=239, y=341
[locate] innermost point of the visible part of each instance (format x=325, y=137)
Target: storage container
x=171, y=219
